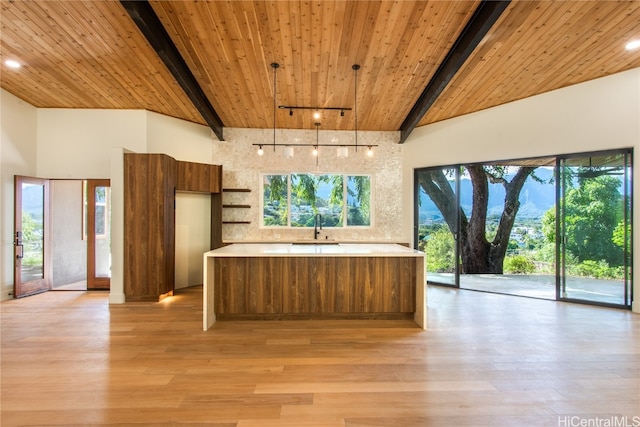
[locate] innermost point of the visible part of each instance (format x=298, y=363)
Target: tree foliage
x=591, y=214
x=359, y=213
x=305, y=187
x=276, y=207
x=440, y=250
x=622, y=235
x=32, y=239
x=305, y=199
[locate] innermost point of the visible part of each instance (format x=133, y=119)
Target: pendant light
x=316, y=152
x=288, y=151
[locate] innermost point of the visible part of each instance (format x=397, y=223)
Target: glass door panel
x=594, y=227
x=508, y=202
x=437, y=219
x=32, y=232
x=31, y=238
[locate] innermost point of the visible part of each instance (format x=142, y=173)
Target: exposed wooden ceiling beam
x=149, y=24
x=480, y=23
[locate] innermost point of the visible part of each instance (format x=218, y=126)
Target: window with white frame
x=293, y=200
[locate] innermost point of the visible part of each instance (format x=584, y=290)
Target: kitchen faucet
x=317, y=222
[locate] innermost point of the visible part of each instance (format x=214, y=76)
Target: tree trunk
x=511, y=206
x=478, y=255
x=475, y=248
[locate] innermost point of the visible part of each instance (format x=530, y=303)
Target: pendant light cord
x=355, y=68
x=317, y=142
x=275, y=66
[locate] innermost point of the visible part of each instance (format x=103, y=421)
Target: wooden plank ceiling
x=90, y=54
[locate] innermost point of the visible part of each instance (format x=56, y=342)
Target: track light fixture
x=315, y=109
x=343, y=150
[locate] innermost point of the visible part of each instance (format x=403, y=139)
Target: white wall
x=597, y=115
x=77, y=143
x=193, y=237
x=185, y=141
x=116, y=290
x=18, y=156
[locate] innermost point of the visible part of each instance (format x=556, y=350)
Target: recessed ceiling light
x=634, y=44
x=12, y=64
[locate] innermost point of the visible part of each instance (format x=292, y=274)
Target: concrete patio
x=537, y=286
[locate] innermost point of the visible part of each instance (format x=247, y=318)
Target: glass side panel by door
x=102, y=232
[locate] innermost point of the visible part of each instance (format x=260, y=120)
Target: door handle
x=18, y=245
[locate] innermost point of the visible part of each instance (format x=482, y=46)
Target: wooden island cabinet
x=337, y=281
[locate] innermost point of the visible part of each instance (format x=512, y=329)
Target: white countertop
x=314, y=249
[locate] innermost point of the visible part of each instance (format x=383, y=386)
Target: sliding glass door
x=557, y=227
x=594, y=228
x=437, y=222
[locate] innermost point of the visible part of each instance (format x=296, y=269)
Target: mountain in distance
x=535, y=198
x=33, y=200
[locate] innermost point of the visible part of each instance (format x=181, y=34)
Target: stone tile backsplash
x=243, y=168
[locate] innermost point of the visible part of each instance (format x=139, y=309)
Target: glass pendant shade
x=288, y=151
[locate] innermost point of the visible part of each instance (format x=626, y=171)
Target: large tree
x=478, y=254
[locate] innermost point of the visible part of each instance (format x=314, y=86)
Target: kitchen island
x=314, y=281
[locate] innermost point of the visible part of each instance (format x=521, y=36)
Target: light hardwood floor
x=68, y=358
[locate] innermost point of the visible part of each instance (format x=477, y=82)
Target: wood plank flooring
x=69, y=358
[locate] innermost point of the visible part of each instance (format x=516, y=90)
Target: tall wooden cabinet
x=151, y=182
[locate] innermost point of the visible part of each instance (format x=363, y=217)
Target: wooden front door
x=31, y=239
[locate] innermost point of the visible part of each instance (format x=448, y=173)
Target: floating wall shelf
x=235, y=205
